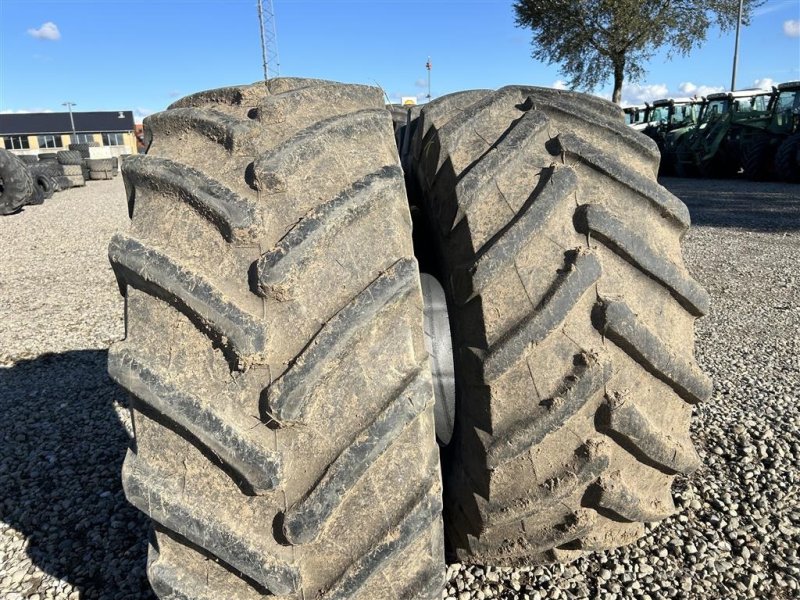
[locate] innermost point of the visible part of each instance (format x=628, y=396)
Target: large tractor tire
x=44, y=183
x=787, y=159
x=69, y=157
x=281, y=393
x=756, y=158
x=16, y=185
x=82, y=149
x=572, y=317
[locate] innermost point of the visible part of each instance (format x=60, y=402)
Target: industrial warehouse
x=32, y=133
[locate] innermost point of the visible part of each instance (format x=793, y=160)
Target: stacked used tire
x=48, y=177
x=101, y=168
x=71, y=162
x=83, y=148
x=277, y=341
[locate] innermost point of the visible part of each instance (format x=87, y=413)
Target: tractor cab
x=786, y=111
x=671, y=118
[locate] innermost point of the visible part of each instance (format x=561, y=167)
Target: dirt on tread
x=572, y=316
x=282, y=398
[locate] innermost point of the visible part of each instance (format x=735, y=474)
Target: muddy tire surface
x=16, y=185
x=573, y=323
x=282, y=398
x=756, y=159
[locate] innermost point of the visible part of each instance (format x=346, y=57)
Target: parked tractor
x=711, y=148
x=769, y=146
x=668, y=115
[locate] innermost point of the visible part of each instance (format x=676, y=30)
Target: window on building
x=50, y=141
x=113, y=139
x=16, y=142
x=82, y=138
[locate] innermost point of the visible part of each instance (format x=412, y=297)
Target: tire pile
x=29, y=179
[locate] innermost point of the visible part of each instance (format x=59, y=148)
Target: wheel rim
x=439, y=345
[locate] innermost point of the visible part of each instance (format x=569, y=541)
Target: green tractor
x=711, y=149
x=771, y=145
x=670, y=118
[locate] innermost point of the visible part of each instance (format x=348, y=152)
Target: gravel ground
x=67, y=532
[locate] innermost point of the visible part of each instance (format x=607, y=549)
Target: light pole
x=69, y=106
x=736, y=47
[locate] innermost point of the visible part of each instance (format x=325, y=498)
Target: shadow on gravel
x=758, y=206
x=62, y=449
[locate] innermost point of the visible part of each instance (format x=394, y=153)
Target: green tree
x=594, y=40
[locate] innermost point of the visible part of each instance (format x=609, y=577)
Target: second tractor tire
x=787, y=159
x=573, y=323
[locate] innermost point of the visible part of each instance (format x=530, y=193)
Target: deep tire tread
x=535, y=471
x=245, y=176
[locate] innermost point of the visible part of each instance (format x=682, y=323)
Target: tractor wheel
x=685, y=169
x=73, y=170
x=100, y=164
x=720, y=166
x=787, y=159
x=666, y=167
x=62, y=182
x=16, y=185
x=573, y=323
x=82, y=149
x=69, y=157
x=76, y=180
x=96, y=175
x=44, y=183
x=281, y=392
x=756, y=159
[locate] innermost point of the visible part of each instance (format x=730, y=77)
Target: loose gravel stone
x=64, y=426
x=66, y=531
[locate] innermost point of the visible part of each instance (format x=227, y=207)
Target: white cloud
x=638, y=94
x=23, y=111
x=48, y=31
x=140, y=113
x=559, y=84
x=691, y=89
x=765, y=83
x=421, y=82
x=792, y=28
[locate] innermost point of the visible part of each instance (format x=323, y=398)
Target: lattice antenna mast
x=429, y=66
x=269, y=39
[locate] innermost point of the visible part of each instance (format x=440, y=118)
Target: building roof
x=85, y=122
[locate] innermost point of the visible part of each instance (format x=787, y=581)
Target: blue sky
x=141, y=55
